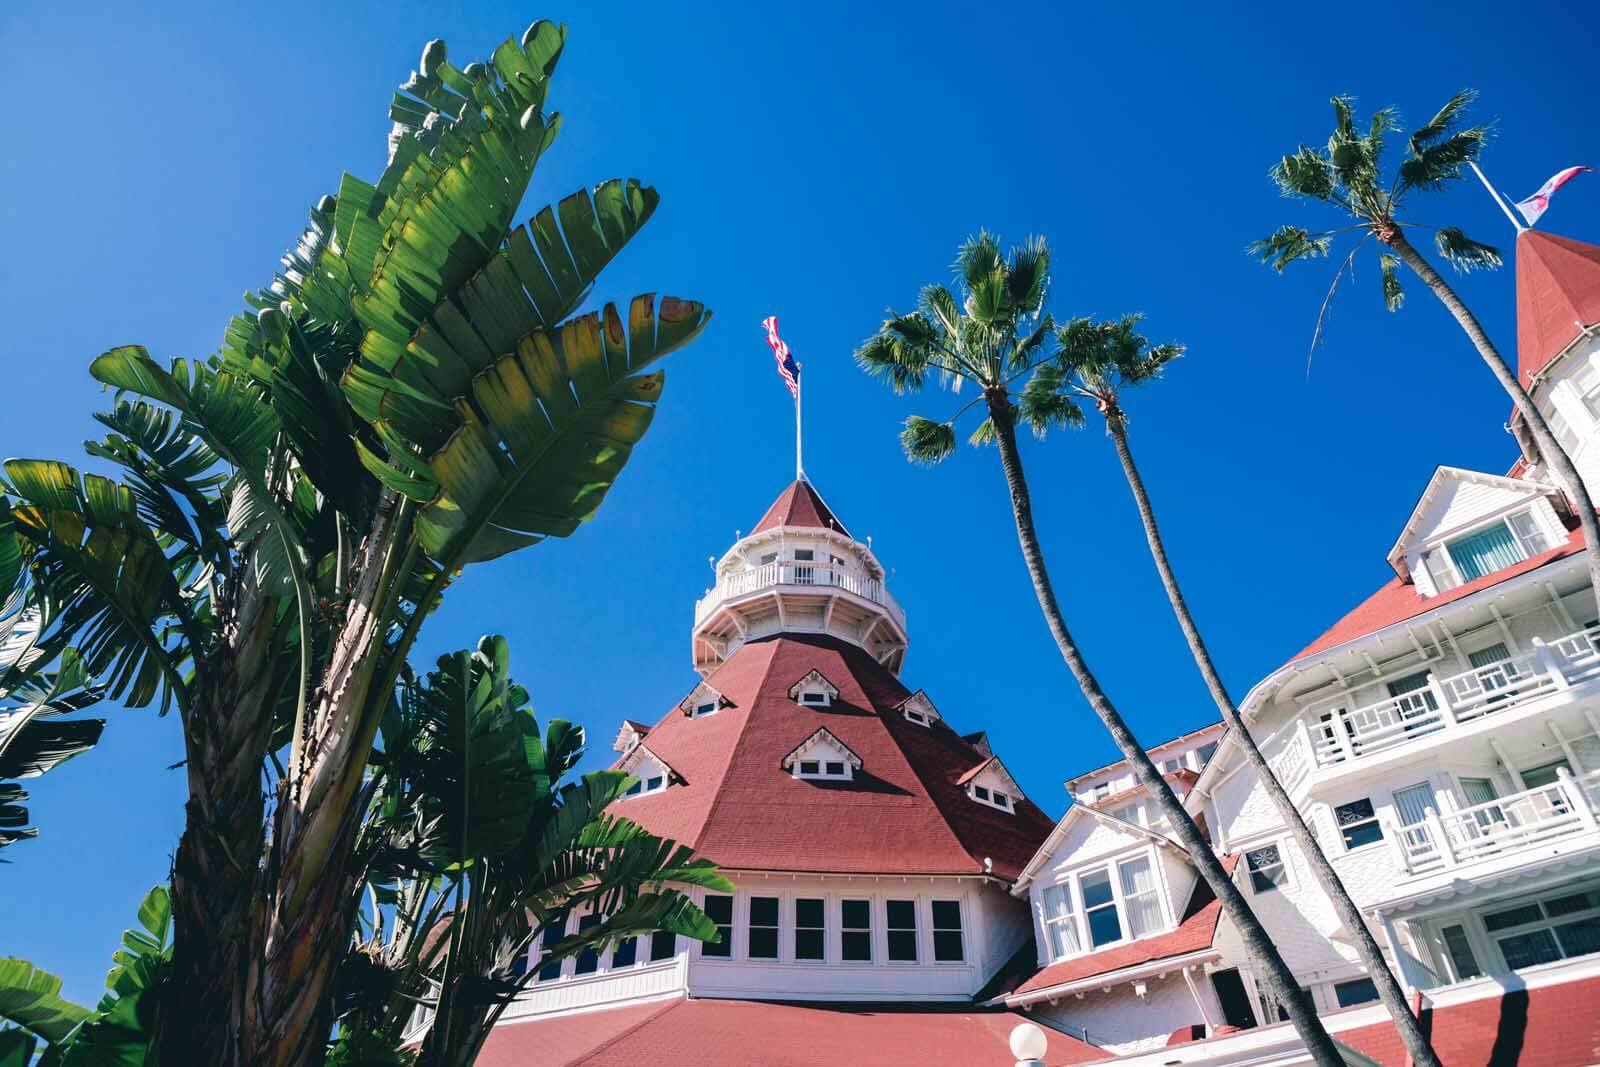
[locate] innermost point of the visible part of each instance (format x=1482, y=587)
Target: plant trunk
x=215, y=874
x=1550, y=449
x=310, y=888
x=1389, y=991
x=1263, y=953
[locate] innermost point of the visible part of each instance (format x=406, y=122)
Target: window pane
x=902, y=922
x=1444, y=578
x=663, y=945
x=808, y=913
x=1414, y=802
x=553, y=932
x=1579, y=938
x=1526, y=950
x=1478, y=791
x=835, y=768
x=855, y=940
x=1529, y=533
x=1104, y=926
x=808, y=943
x=1489, y=550
x=763, y=911
x=1358, y=823
x=719, y=909
x=588, y=959
x=857, y=914
x=1462, y=957
x=626, y=952
x=1096, y=889
x=1544, y=774
x=1575, y=902
x=764, y=928
x=1359, y=991
x=1266, y=867
x=947, y=946
x=1501, y=920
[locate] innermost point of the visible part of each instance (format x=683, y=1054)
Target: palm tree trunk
x=1263, y=953
x=1389, y=991
x=1550, y=449
x=215, y=874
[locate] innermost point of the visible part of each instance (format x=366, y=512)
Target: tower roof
x=1558, y=296
x=903, y=812
x=800, y=505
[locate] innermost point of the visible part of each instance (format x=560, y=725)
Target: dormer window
x=651, y=770
x=822, y=757
x=916, y=717
x=814, y=691
x=992, y=797
x=1501, y=544
x=703, y=701
x=703, y=708
x=919, y=709
x=655, y=783
x=990, y=784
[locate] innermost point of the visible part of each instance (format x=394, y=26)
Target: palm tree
x=1347, y=176
x=413, y=394
x=1095, y=362
x=473, y=843
x=997, y=334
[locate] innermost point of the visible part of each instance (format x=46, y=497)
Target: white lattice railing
x=1512, y=823
x=1339, y=736
x=791, y=573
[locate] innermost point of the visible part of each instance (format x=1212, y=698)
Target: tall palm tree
x=1347, y=175
x=1095, y=362
x=997, y=334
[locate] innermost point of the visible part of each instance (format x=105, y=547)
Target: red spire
x=799, y=505
x=1558, y=295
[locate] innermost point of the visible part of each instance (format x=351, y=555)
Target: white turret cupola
x=798, y=571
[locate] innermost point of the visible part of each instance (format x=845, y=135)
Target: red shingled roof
x=799, y=505
x=1195, y=932
x=1398, y=601
x=1558, y=293
x=1554, y=1026
x=904, y=812
x=738, y=1033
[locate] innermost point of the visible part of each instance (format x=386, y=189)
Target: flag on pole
x=1539, y=202
x=788, y=369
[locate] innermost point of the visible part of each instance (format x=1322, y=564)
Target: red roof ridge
x=1558, y=297
x=800, y=505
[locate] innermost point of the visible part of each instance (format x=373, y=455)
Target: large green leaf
x=31, y=999
x=41, y=744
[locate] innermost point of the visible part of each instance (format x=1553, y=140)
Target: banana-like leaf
x=30, y=998
x=16, y=1047
x=39, y=744
x=10, y=550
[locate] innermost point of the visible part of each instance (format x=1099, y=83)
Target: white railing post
x=1347, y=740
x=1441, y=840
x=1447, y=711
x=1576, y=798
x=1548, y=663
x=1302, y=738
x=1397, y=834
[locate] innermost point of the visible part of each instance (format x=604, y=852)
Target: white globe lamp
x=1028, y=1045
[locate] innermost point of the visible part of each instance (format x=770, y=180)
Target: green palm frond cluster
x=1348, y=174
x=996, y=335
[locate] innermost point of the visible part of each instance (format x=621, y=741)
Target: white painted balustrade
x=1509, y=824
x=791, y=573
x=1338, y=736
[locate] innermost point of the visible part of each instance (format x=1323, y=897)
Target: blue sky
x=818, y=162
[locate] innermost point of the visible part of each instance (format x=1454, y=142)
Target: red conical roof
x=1558, y=295
x=799, y=505
x=904, y=812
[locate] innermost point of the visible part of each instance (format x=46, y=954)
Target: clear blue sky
x=819, y=162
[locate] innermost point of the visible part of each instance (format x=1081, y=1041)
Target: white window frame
x=1282, y=845
x=704, y=708
x=872, y=936
x=990, y=797
x=934, y=930
x=821, y=774
x=814, y=698
x=1440, y=549
x=917, y=717
x=1068, y=919
x=1376, y=820
x=1546, y=922
x=643, y=787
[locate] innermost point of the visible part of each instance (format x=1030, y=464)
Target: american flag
x=788, y=369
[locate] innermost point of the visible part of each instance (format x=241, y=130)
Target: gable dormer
x=653, y=772
x=1468, y=524
x=822, y=756
x=990, y=783
x=814, y=691
x=702, y=701
x=631, y=734
x=919, y=709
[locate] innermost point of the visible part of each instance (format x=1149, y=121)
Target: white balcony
x=1500, y=828
x=1344, y=737
x=802, y=577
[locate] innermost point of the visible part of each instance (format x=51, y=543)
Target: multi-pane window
x=763, y=928
x=947, y=942
x=1267, y=869
x=626, y=953
x=1358, y=823
x=663, y=945
x=1459, y=947
x=902, y=927
x=1140, y=901
x=1356, y=991
x=808, y=935
x=1060, y=925
x=1531, y=535
x=1100, y=908
x=1439, y=569
x=1205, y=752
x=1587, y=383
x=1544, y=931
x=1501, y=544
x=719, y=909
x=810, y=768
x=855, y=930
x=554, y=930
x=992, y=797
x=1412, y=695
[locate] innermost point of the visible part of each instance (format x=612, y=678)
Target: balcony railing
x=1522, y=820
x=1340, y=736
x=791, y=573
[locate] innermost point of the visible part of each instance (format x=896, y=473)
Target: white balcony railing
x=1522, y=820
x=1339, y=736
x=790, y=573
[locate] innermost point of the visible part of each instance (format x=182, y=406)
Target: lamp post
x=1028, y=1045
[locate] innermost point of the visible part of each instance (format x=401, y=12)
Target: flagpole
x=799, y=378
x=1495, y=195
